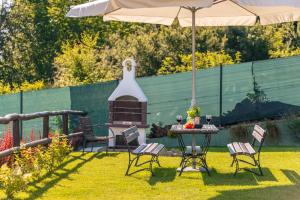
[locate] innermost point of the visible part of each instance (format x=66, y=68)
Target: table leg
x=194, y=151
x=205, y=147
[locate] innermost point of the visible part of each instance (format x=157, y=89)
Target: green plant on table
x=194, y=112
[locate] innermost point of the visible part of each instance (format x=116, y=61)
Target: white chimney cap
x=128, y=86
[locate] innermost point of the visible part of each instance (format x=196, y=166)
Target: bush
x=273, y=130
x=31, y=163
x=13, y=180
x=6, y=143
x=158, y=130
x=26, y=86
x=294, y=126
x=239, y=132
x=57, y=151
x=203, y=61
x=27, y=160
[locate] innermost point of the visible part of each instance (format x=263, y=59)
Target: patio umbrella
x=192, y=13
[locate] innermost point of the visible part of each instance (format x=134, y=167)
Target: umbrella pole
x=194, y=102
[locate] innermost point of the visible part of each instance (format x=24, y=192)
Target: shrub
x=239, y=132
x=27, y=160
x=61, y=149
x=42, y=159
x=57, y=151
x=31, y=137
x=203, y=61
x=75, y=142
x=7, y=140
x=158, y=130
x=294, y=126
x=30, y=163
x=13, y=180
x=26, y=86
x=6, y=143
x=273, y=130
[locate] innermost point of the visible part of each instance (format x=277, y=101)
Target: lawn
x=96, y=176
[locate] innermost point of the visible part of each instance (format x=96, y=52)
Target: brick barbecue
x=127, y=106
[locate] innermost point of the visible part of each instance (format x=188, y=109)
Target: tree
x=79, y=64
x=17, y=37
x=35, y=36
x=203, y=61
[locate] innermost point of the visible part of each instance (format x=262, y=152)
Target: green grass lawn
x=96, y=176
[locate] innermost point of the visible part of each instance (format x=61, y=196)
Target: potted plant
x=194, y=114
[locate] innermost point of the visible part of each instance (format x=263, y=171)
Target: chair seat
x=150, y=149
x=239, y=148
x=188, y=150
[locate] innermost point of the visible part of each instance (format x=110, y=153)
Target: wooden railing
x=17, y=118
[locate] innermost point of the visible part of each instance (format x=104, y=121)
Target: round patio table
x=207, y=131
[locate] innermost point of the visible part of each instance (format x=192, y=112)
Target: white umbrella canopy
x=94, y=8
x=209, y=12
x=192, y=13
x=145, y=8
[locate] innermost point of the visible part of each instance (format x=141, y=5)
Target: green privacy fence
x=171, y=95
x=93, y=99
x=43, y=100
x=273, y=85
x=90, y=98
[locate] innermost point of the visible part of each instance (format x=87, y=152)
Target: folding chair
x=238, y=149
x=152, y=149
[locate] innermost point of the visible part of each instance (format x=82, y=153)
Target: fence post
x=65, y=119
x=221, y=95
x=16, y=133
x=45, y=127
x=21, y=112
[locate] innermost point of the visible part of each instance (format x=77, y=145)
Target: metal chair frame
x=256, y=161
x=85, y=141
x=134, y=158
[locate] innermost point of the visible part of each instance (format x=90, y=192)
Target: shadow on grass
x=242, y=178
x=101, y=155
x=290, y=192
x=292, y=176
x=39, y=191
x=162, y=175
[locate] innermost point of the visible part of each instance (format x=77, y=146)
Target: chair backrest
x=86, y=125
x=259, y=135
x=130, y=134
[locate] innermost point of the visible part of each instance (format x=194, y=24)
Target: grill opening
x=127, y=108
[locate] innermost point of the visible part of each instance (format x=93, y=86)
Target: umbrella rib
x=178, y=12
x=111, y=11
x=244, y=8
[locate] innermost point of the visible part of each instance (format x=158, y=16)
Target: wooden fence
x=15, y=119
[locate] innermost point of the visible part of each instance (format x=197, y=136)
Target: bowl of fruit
x=189, y=125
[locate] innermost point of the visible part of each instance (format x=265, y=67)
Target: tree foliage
x=38, y=43
x=80, y=63
x=203, y=61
